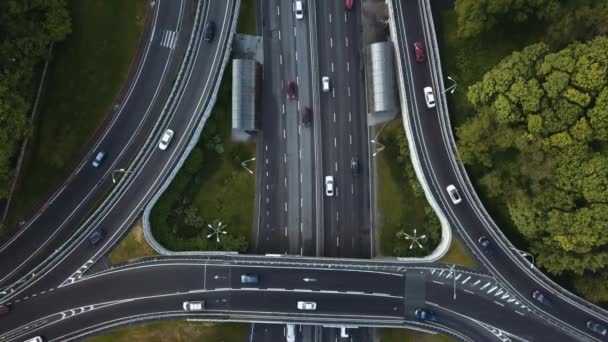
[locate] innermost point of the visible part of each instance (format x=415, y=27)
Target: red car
x=348, y=4
x=4, y=309
x=419, y=52
x=291, y=90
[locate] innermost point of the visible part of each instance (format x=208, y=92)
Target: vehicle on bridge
x=425, y=315
x=329, y=186
x=597, y=328
x=307, y=305
x=194, y=305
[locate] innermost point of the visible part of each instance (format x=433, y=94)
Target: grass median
x=177, y=331
x=401, y=203
x=85, y=74
x=132, y=246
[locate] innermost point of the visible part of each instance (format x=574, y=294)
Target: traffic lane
x=480, y=308
x=344, y=304
x=149, y=280
x=80, y=193
x=335, y=280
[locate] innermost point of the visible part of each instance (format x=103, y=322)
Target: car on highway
x=4, y=310
x=165, y=140
x=290, y=90
x=194, y=305
x=96, y=236
x=35, y=339
x=597, y=328
x=307, y=116
x=486, y=244
x=348, y=4
x=541, y=298
x=429, y=98
x=298, y=8
x=99, y=158
x=425, y=315
x=454, y=195
x=325, y=86
x=307, y=305
x=355, y=167
x=250, y=279
x=209, y=31
x=329, y=186
x=419, y=52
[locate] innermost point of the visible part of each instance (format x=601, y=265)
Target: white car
x=325, y=84
x=35, y=339
x=299, y=9
x=453, y=192
x=291, y=333
x=429, y=98
x=165, y=140
x=329, y=186
x=194, y=306
x=307, y=305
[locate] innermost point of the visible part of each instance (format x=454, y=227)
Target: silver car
x=454, y=195
x=329, y=186
x=429, y=98
x=307, y=305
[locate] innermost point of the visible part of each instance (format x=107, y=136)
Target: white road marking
x=350, y=138
x=285, y=231
x=471, y=292
x=337, y=241
x=281, y=59
x=438, y=282
x=278, y=10
x=477, y=282
x=330, y=17
x=284, y=135
x=336, y=166
x=300, y=178
x=501, y=304
x=331, y=42
x=465, y=281
x=352, y=188
x=296, y=56
x=492, y=289
x=285, y=206
x=301, y=202
x=334, y=117
x=279, y=34
x=486, y=285
x=350, y=117
x=284, y=158
x=347, y=66
x=346, y=41
x=335, y=142
x=294, y=31
x=519, y=313
x=348, y=90
x=266, y=161
x=332, y=66
x=283, y=109
x=344, y=16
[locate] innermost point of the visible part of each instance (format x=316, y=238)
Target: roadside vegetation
x=212, y=187
x=27, y=29
x=177, y=331
x=458, y=255
x=132, y=246
x=401, y=203
x=85, y=74
x=531, y=112
x=404, y=335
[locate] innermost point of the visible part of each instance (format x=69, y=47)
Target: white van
x=35, y=339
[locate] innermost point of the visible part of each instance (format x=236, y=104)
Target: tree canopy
x=26, y=30
x=541, y=138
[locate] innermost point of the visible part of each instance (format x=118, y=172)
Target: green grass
x=403, y=335
x=132, y=246
x=214, y=183
x=177, y=331
x=247, y=15
x=458, y=255
x=399, y=208
x=85, y=74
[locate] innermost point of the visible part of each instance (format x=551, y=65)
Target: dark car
x=597, y=328
x=541, y=298
x=419, y=50
x=4, y=310
x=307, y=116
x=355, y=166
x=96, y=236
x=209, y=31
x=291, y=90
x=425, y=315
x=486, y=244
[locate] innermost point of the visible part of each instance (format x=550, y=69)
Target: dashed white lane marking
x=278, y=10
x=350, y=117
x=350, y=138
x=465, y=281
x=337, y=216
x=332, y=66
x=335, y=142
x=352, y=188
x=283, y=110
x=458, y=276
x=348, y=88
x=486, y=285
x=492, y=289
x=285, y=231
x=471, y=292
x=284, y=135
x=279, y=34
x=345, y=17
x=334, y=117
x=346, y=41
x=285, y=206
x=294, y=31
x=477, y=282
x=336, y=166
x=338, y=242
x=347, y=67
x=438, y=282
x=297, y=57
x=284, y=158
x=501, y=304
x=281, y=59
x=331, y=42
x=519, y=313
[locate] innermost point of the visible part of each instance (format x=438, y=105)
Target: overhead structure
x=381, y=85
x=245, y=95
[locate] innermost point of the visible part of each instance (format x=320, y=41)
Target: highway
x=155, y=289
x=163, y=46
x=344, y=136
x=436, y=152
x=193, y=96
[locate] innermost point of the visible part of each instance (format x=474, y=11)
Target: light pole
x=216, y=230
x=452, y=87
x=414, y=238
x=381, y=147
x=118, y=171
x=453, y=271
x=524, y=254
x=244, y=164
